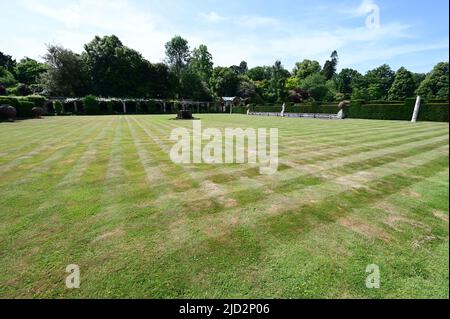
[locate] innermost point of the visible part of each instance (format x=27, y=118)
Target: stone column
x=124, y=104
x=164, y=107
x=416, y=110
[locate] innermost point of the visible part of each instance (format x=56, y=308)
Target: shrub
x=400, y=111
x=37, y=100
x=91, y=105
x=25, y=109
x=57, y=106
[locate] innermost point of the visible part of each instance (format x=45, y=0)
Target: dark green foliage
x=67, y=75
x=37, y=100
x=224, y=82
x=436, y=82
x=24, y=109
x=329, y=68
x=57, y=106
x=403, y=85
x=91, y=105
x=398, y=111
x=28, y=71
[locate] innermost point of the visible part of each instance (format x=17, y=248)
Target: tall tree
x=379, y=81
x=277, y=86
x=115, y=70
x=403, y=85
x=259, y=73
x=66, y=74
x=436, y=82
x=7, y=62
x=28, y=71
x=316, y=86
x=347, y=80
x=330, y=66
x=177, y=54
x=224, y=82
x=306, y=68
x=202, y=63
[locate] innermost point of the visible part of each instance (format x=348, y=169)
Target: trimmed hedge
x=24, y=104
x=24, y=109
x=437, y=112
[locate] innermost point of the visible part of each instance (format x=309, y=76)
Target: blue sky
x=410, y=33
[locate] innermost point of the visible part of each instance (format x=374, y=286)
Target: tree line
x=108, y=68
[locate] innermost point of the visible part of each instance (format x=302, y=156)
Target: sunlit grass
x=102, y=193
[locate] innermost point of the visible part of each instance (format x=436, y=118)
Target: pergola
x=124, y=101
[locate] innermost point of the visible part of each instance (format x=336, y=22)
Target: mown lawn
x=102, y=193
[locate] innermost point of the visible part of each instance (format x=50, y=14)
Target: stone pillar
x=124, y=104
x=283, y=109
x=416, y=110
x=164, y=107
x=75, y=107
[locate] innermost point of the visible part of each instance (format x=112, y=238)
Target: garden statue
x=283, y=108
x=341, y=107
x=8, y=112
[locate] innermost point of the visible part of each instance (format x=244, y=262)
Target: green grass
x=102, y=193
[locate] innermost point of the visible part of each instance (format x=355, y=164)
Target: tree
x=6, y=77
x=347, y=80
x=202, y=63
x=243, y=67
x=306, y=68
x=316, y=86
x=66, y=74
x=403, y=85
x=177, y=54
x=7, y=62
x=28, y=71
x=247, y=88
x=157, y=81
x=418, y=78
x=436, y=83
x=224, y=82
x=277, y=86
x=292, y=83
x=329, y=68
x=115, y=70
x=259, y=73
x=379, y=81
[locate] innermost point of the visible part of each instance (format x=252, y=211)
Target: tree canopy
x=107, y=67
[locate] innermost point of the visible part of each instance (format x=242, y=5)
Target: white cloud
x=257, y=39
x=83, y=19
x=212, y=17
x=365, y=7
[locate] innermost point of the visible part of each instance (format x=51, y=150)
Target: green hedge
x=24, y=104
x=437, y=112
x=24, y=109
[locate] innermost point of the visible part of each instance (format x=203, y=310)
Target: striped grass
x=102, y=193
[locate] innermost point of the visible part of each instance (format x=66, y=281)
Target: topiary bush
x=7, y=112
